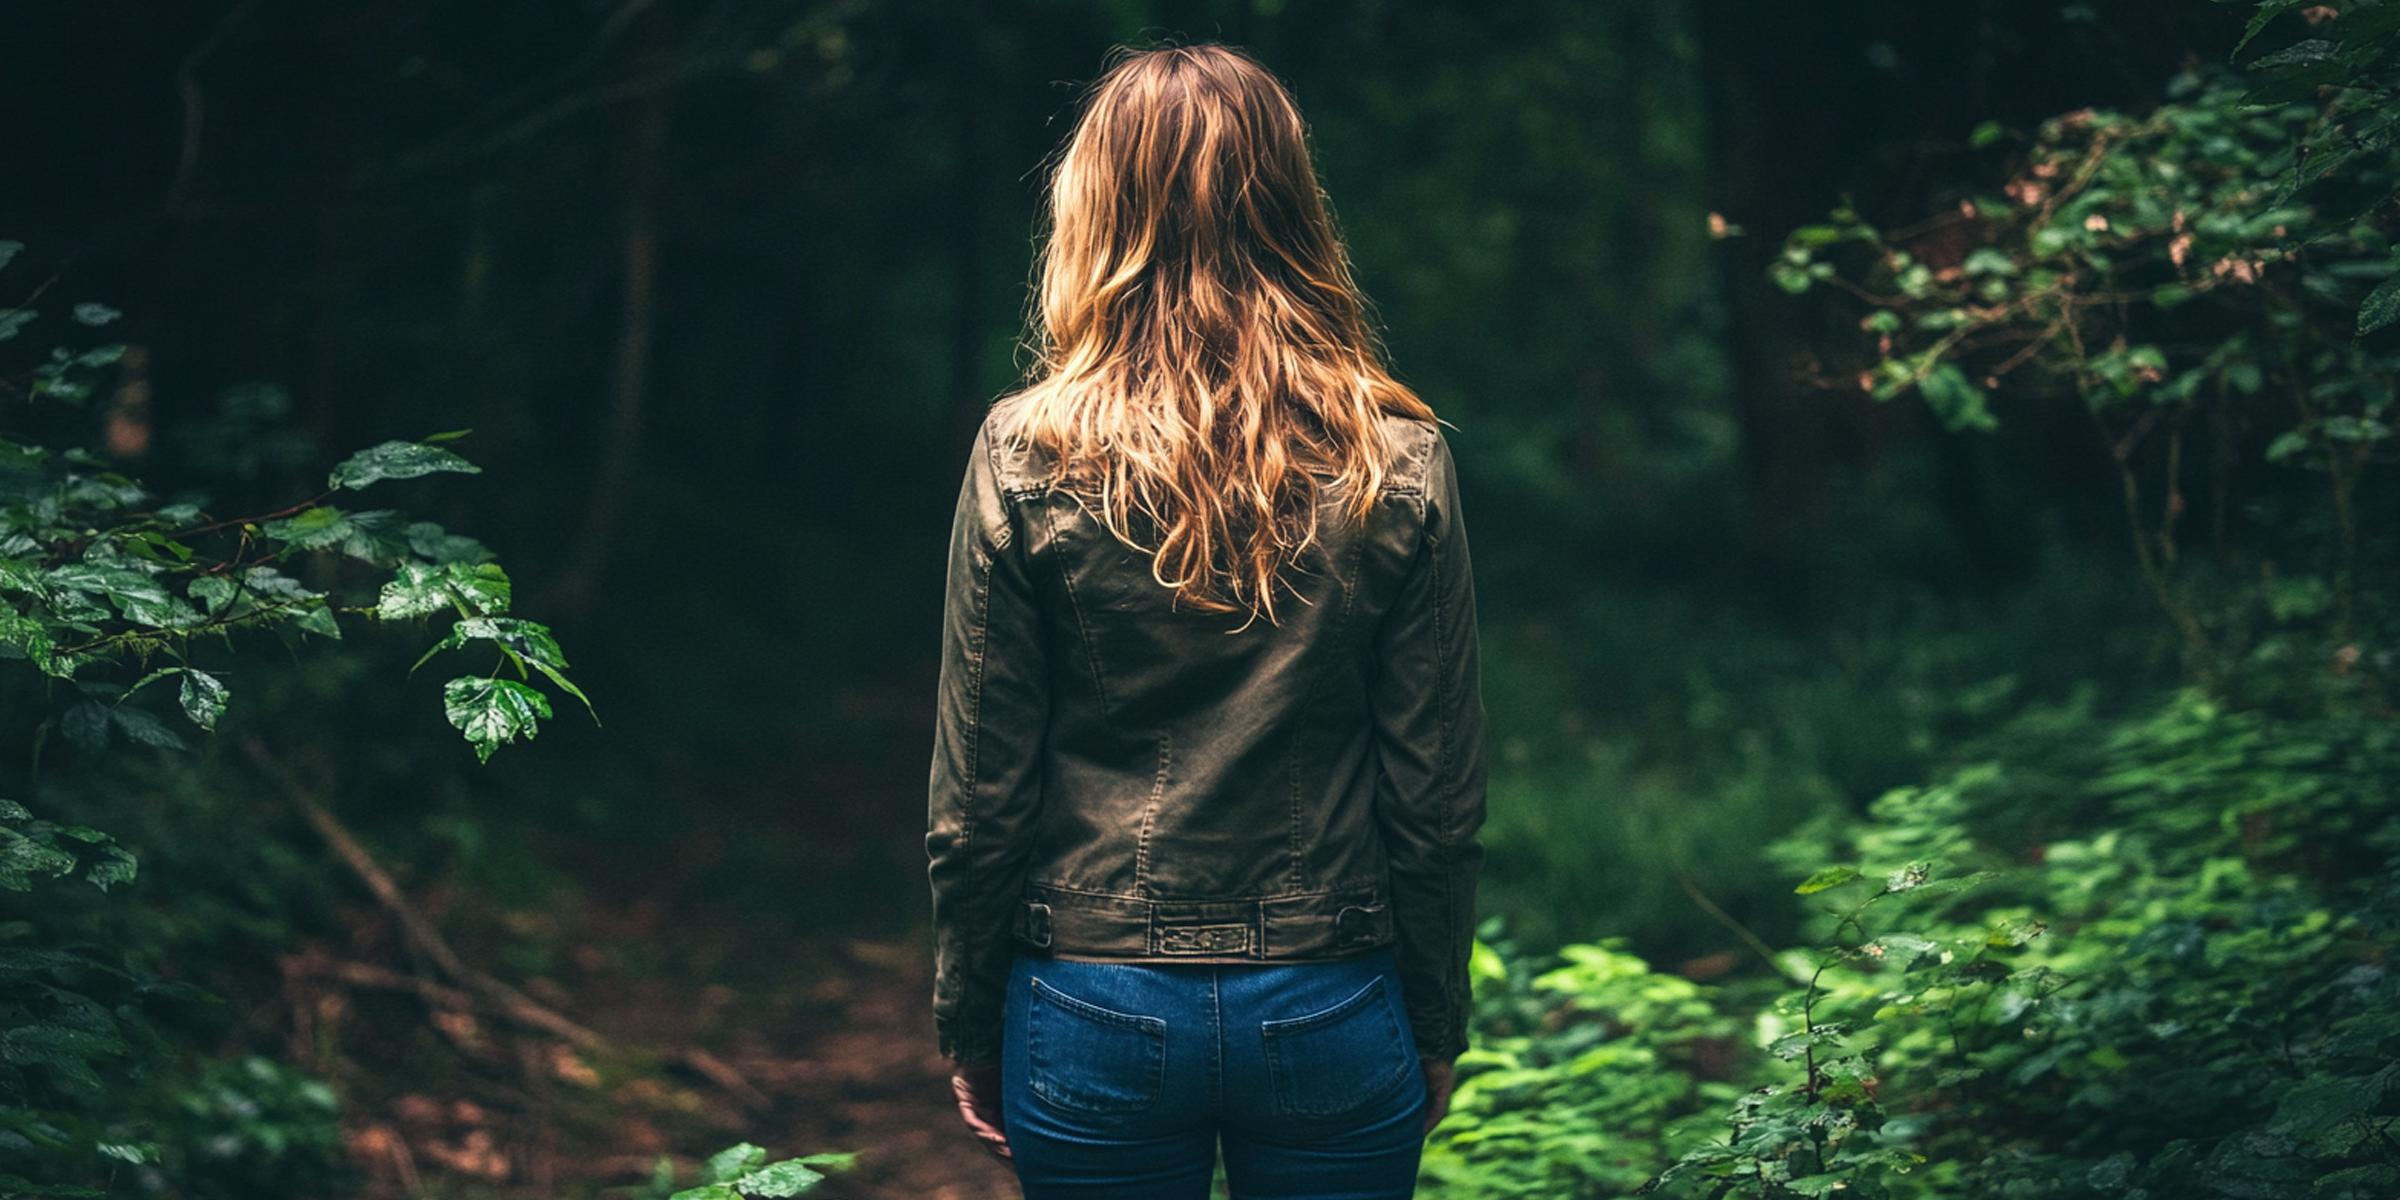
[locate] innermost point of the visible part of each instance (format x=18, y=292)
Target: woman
x=1209, y=760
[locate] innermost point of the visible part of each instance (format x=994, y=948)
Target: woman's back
x=1209, y=781
x=1208, y=761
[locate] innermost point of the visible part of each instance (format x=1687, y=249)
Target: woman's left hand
x=978, y=1091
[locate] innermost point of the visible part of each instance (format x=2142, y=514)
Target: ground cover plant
x=2114, y=948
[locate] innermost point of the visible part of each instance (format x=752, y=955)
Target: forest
x=1924, y=459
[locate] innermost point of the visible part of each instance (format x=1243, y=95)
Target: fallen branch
x=508, y=1001
x=724, y=1075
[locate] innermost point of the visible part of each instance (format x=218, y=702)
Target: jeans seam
x=1216, y=1021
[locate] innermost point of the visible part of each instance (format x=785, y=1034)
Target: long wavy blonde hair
x=1206, y=374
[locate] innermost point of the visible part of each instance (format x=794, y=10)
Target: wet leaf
x=396, y=460
x=788, y=1178
x=203, y=697
x=493, y=712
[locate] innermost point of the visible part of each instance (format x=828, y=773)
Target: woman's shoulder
x=1020, y=464
x=1416, y=452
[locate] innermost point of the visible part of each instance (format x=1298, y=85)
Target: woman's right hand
x=978, y=1092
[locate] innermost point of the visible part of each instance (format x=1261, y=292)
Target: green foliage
x=743, y=1170
x=100, y=582
x=1585, y=1079
x=2145, y=957
x=2208, y=283
x=247, y=1128
x=2187, y=996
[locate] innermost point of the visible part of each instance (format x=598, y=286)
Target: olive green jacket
x=1116, y=777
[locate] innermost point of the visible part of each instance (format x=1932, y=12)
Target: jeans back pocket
x=1334, y=1062
x=1090, y=1059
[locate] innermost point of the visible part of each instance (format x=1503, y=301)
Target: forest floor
x=837, y=1055
x=763, y=977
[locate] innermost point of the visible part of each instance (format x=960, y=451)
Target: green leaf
x=318, y=620
x=9, y=250
x=1830, y=877
x=733, y=1161
x=2311, y=50
x=212, y=592
x=316, y=529
x=396, y=460
x=116, y=866
x=2382, y=306
x=96, y=314
x=85, y=726
x=29, y=638
x=1986, y=134
x=203, y=698
x=415, y=591
x=20, y=576
x=480, y=590
x=494, y=712
x=12, y=320
x=379, y=537
x=22, y=858
x=143, y=727
x=1956, y=399
x=709, y=1191
x=429, y=541
x=787, y=1178
x=482, y=587
x=2268, y=10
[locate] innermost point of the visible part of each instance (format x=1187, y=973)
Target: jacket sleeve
x=1429, y=728
x=992, y=715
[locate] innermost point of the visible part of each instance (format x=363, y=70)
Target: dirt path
x=831, y=1052
x=875, y=1082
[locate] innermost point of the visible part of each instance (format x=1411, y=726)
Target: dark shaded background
x=722, y=285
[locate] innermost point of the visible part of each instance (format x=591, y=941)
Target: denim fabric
x=1121, y=1079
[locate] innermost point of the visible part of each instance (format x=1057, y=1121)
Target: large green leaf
x=203, y=697
x=419, y=589
x=396, y=460
x=319, y=528
x=414, y=591
x=493, y=712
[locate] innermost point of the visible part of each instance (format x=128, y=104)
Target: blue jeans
x=1119, y=1080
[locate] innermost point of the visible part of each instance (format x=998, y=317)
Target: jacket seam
x=1158, y=791
x=1447, y=762
x=1083, y=628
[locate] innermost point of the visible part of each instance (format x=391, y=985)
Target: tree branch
x=420, y=933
